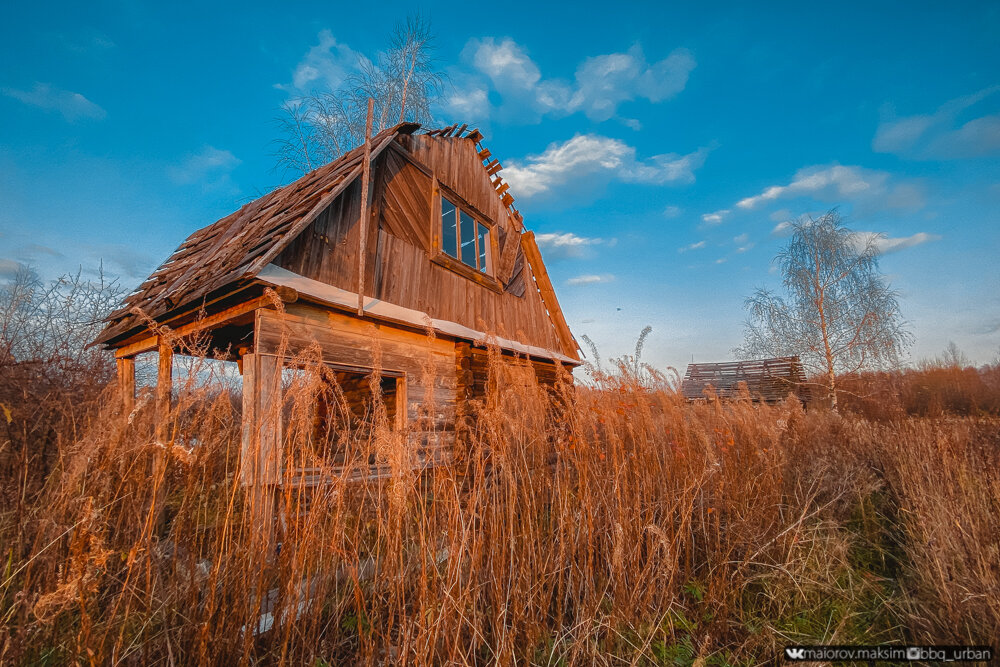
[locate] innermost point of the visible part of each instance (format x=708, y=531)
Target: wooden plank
x=365, y=203
x=151, y=343
x=164, y=389
x=126, y=384
x=548, y=294
x=507, y=256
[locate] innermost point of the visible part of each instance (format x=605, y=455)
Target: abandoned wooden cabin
x=763, y=380
x=419, y=223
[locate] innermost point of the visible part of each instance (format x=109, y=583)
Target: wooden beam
x=365, y=203
x=402, y=405
x=286, y=294
x=548, y=294
x=126, y=384
x=164, y=389
x=261, y=442
x=508, y=255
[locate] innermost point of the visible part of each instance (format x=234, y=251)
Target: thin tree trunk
x=831, y=377
x=406, y=85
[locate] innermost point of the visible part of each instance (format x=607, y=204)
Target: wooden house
x=420, y=225
x=763, y=380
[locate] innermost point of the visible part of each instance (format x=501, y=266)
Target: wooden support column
x=164, y=388
x=261, y=450
x=126, y=384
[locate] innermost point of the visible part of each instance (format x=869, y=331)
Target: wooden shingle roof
x=238, y=246
x=769, y=380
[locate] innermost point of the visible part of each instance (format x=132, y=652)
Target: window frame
x=485, y=278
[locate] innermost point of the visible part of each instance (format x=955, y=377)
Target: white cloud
x=565, y=244
x=602, y=83
x=672, y=211
x=590, y=279
x=746, y=247
x=839, y=183
x=782, y=229
x=742, y=238
x=942, y=135
x=887, y=244
x=470, y=104
x=591, y=154
x=72, y=106
x=712, y=219
x=694, y=246
x=325, y=66
x=210, y=167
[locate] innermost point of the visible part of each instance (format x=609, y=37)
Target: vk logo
x=795, y=653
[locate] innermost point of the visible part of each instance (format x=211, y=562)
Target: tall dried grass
x=604, y=523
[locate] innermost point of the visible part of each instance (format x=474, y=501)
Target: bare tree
x=403, y=80
x=839, y=316
x=50, y=379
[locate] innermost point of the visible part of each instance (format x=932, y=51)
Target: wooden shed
x=767, y=380
x=406, y=254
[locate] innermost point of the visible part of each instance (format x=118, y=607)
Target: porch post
x=164, y=388
x=261, y=450
x=126, y=384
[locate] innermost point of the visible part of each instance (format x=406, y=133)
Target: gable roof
x=238, y=247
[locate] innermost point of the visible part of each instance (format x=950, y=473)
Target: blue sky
x=655, y=150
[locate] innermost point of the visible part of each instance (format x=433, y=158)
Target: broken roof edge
x=383, y=310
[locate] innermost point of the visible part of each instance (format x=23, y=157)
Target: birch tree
x=403, y=80
x=839, y=314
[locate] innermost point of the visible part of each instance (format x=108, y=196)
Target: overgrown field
x=604, y=524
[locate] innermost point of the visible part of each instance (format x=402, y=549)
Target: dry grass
x=609, y=524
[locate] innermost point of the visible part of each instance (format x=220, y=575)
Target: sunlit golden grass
x=608, y=523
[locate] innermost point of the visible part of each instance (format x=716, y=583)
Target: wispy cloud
x=591, y=279
x=566, y=244
x=601, y=83
x=9, y=268
x=839, y=183
x=694, y=246
x=324, y=66
x=72, y=106
x=672, y=211
x=211, y=167
x=782, y=229
x=886, y=244
x=590, y=155
x=942, y=135
x=713, y=219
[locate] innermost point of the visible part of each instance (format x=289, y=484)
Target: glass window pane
x=449, y=234
x=467, y=228
x=484, y=249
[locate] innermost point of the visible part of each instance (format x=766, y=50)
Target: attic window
x=465, y=238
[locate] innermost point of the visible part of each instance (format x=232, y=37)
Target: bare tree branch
x=403, y=80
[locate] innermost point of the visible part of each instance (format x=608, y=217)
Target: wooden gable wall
x=399, y=268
